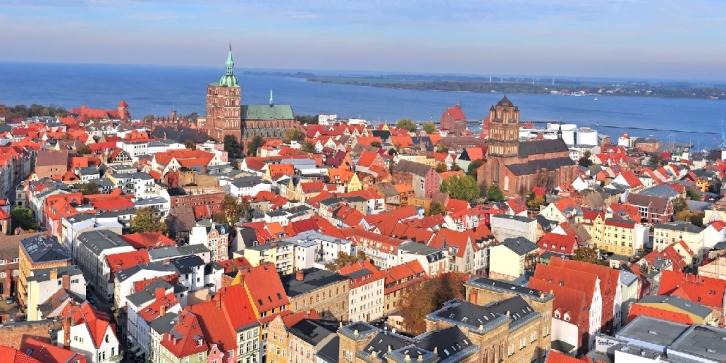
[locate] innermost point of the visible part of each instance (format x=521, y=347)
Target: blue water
x=158, y=90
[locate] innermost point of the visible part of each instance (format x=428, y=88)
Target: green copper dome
x=229, y=79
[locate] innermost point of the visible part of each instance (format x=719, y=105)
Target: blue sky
x=678, y=39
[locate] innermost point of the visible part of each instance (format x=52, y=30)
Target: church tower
x=223, y=104
x=504, y=129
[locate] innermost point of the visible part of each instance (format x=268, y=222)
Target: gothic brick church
x=227, y=116
x=518, y=166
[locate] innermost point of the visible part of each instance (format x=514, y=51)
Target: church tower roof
x=229, y=79
x=505, y=102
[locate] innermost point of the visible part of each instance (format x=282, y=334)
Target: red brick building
x=517, y=167
x=227, y=116
x=453, y=120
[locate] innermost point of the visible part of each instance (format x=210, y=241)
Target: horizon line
x=378, y=72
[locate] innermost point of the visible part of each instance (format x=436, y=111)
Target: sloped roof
x=544, y=146
x=264, y=287
x=185, y=337
x=267, y=112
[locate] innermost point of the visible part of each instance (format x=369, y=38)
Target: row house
x=320, y=290
x=620, y=236
x=212, y=235
x=38, y=252
x=366, y=291
x=666, y=234
x=703, y=290
x=143, y=307
x=652, y=209
x=90, y=332
x=50, y=290
x=398, y=281
x=424, y=179
x=228, y=320
x=382, y=250
x=90, y=254
x=266, y=293
x=300, y=337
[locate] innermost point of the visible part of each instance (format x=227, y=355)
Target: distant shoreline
x=572, y=89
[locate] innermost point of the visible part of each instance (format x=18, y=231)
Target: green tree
x=407, y=124
x=89, y=188
x=587, y=254
x=679, y=204
x=189, y=144
x=232, y=147
x=255, y=144
x=695, y=218
x=429, y=127
x=345, y=259
x=421, y=299
x=461, y=187
x=436, y=208
x=441, y=149
x=83, y=149
x=307, y=119
x=146, y=221
x=23, y=218
x=535, y=201
x=231, y=210
x=692, y=194
x=293, y=134
x=495, y=194
x=473, y=167
x=308, y=147
x=585, y=160
x=441, y=167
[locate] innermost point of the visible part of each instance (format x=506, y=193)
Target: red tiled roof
x=367, y=158
x=45, y=351
x=186, y=337
x=554, y=356
x=630, y=178
x=12, y=355
x=96, y=322
x=456, y=204
x=279, y=170
x=609, y=280
x=373, y=273
x=703, y=290
x=148, y=240
x=455, y=112
x=264, y=287
x=222, y=317
x=158, y=306
x=654, y=312
x=185, y=157
x=558, y=243
x=312, y=187
x=121, y=261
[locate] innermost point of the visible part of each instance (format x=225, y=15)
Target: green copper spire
x=229, y=79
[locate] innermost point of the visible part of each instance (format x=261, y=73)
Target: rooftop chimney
x=66, y=282
x=159, y=293
x=67, y=333
x=299, y=275
x=162, y=310
x=53, y=274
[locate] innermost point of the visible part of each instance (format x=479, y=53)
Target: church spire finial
x=229, y=79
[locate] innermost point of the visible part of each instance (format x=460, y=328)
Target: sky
x=663, y=39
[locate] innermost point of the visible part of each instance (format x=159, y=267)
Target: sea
x=158, y=90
